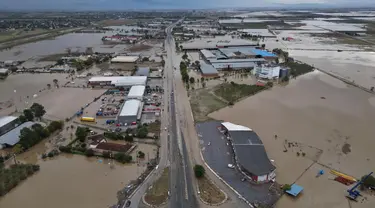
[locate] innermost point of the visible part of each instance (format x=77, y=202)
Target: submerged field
x=327, y=120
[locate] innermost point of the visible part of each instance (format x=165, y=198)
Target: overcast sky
x=160, y=4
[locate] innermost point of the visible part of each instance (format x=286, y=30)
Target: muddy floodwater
x=71, y=181
x=315, y=110
x=75, y=41
x=323, y=118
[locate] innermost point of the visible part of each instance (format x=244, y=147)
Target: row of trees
x=32, y=136
x=117, y=136
x=35, y=111
x=184, y=72
x=15, y=174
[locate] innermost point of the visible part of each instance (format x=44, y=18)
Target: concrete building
x=249, y=153
x=60, y=69
x=13, y=136
x=125, y=81
x=259, y=32
x=125, y=59
x=130, y=112
x=267, y=71
x=136, y=92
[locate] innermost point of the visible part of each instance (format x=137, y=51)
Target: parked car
x=231, y=166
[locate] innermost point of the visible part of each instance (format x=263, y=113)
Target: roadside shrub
x=66, y=149
x=123, y=158
x=89, y=152
x=141, y=154
x=128, y=138
x=199, y=171
x=106, y=154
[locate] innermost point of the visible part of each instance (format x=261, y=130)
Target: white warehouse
x=130, y=112
x=136, y=92
x=267, y=71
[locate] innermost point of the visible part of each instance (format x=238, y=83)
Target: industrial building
x=143, y=71
x=267, y=71
x=215, y=43
x=246, y=52
x=208, y=70
x=125, y=81
x=136, y=92
x=131, y=111
x=7, y=123
x=4, y=72
x=249, y=153
x=125, y=59
x=13, y=136
x=258, y=32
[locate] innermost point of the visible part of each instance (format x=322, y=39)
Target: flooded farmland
x=74, y=41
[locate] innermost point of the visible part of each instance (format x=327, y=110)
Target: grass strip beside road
x=203, y=103
x=209, y=192
x=157, y=194
x=233, y=92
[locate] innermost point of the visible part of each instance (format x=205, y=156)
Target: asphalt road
x=181, y=190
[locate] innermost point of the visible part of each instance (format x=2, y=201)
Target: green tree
x=22, y=118
x=123, y=158
x=28, y=114
x=140, y=154
x=60, y=62
x=28, y=138
x=129, y=138
x=199, y=171
x=40, y=130
x=81, y=133
x=38, y=110
x=142, y=132
x=49, y=86
x=192, y=80
x=89, y=152
x=185, y=56
x=17, y=149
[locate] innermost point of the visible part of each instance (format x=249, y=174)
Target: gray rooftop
x=234, y=65
x=250, y=152
x=6, y=119
x=238, y=60
x=207, y=69
x=13, y=137
x=143, y=71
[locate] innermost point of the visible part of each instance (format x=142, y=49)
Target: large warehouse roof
x=12, y=137
x=207, y=69
x=136, y=91
x=130, y=108
x=133, y=80
x=6, y=119
x=121, y=81
x=238, y=60
x=249, y=149
x=207, y=54
x=124, y=59
x=235, y=65
x=143, y=71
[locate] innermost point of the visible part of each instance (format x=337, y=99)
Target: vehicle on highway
x=231, y=166
x=128, y=203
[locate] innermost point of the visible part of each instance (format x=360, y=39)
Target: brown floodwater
x=327, y=120
x=70, y=181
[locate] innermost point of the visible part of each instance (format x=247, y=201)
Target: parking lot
x=217, y=153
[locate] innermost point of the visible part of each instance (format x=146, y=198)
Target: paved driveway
x=218, y=155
